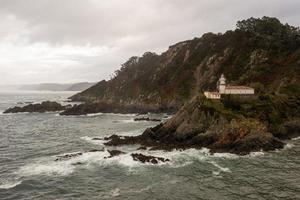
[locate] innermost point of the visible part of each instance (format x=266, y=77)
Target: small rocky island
x=45, y=106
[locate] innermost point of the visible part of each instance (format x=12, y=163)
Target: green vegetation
x=262, y=52
x=271, y=109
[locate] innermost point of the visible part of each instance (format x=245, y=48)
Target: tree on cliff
x=270, y=33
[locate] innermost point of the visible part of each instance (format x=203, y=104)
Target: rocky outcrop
x=114, y=153
x=206, y=123
x=68, y=156
x=148, y=159
x=103, y=107
x=46, y=106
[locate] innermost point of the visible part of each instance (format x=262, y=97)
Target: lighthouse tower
x=222, y=85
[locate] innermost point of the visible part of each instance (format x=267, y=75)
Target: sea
x=30, y=143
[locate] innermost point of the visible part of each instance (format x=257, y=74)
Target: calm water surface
x=30, y=143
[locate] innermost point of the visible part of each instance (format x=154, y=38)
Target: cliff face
x=262, y=53
x=218, y=126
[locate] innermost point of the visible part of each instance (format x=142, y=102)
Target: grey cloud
x=130, y=26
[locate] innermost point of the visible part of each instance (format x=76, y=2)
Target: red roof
x=238, y=87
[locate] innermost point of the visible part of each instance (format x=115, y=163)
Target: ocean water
x=30, y=143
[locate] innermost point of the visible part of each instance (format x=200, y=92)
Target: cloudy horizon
x=64, y=41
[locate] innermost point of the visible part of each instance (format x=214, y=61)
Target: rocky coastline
x=45, y=106
x=200, y=123
x=109, y=107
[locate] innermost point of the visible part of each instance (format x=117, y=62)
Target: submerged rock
x=148, y=159
x=114, y=153
x=45, y=106
x=147, y=119
x=97, y=138
x=73, y=155
x=142, y=148
x=68, y=156
x=96, y=150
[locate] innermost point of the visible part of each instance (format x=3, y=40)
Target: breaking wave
x=9, y=184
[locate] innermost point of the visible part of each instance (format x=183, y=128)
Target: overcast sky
x=87, y=40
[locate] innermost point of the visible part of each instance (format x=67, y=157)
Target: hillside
x=262, y=53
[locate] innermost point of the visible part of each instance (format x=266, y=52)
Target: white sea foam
x=126, y=160
x=63, y=167
x=115, y=192
x=125, y=121
x=130, y=133
x=94, y=114
x=139, y=190
x=225, y=155
x=182, y=158
x=120, y=114
x=93, y=141
x=223, y=169
x=216, y=173
x=49, y=168
x=289, y=146
x=256, y=154
x=9, y=184
x=296, y=138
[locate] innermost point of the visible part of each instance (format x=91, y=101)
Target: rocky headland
x=214, y=125
x=109, y=107
x=45, y=106
x=262, y=53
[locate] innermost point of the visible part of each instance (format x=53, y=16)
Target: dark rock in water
x=73, y=155
x=77, y=163
x=116, y=140
x=114, y=153
x=97, y=138
x=147, y=119
x=46, y=106
x=148, y=159
x=68, y=156
x=96, y=150
x=142, y=148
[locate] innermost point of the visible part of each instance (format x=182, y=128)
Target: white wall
x=239, y=91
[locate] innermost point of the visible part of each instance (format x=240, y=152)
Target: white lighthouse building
x=222, y=84
x=228, y=89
